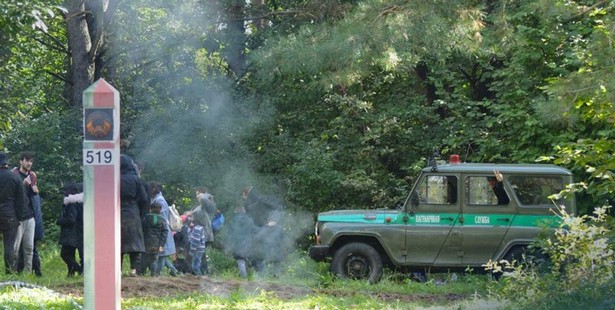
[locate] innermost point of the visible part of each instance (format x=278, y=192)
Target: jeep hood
x=358, y=216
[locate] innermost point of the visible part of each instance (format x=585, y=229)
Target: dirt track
x=171, y=286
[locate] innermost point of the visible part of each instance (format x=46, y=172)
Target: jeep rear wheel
x=528, y=258
x=357, y=261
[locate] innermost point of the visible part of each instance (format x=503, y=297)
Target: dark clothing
x=155, y=231
x=8, y=237
x=13, y=202
x=134, y=205
x=12, y=195
x=71, y=233
x=148, y=261
x=67, y=253
x=39, y=228
x=29, y=210
x=500, y=193
x=239, y=236
x=71, y=221
x=262, y=209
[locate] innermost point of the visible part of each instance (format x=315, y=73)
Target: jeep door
x=431, y=219
x=485, y=220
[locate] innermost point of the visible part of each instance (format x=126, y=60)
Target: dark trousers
x=135, y=260
x=148, y=261
x=67, y=253
x=9, y=231
x=36, y=260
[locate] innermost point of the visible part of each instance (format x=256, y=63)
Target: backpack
x=175, y=221
x=217, y=222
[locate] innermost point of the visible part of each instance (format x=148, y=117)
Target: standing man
x=24, y=241
x=13, y=201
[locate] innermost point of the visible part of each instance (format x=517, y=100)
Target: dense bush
x=580, y=272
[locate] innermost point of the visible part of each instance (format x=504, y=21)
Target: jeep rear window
x=479, y=192
x=535, y=190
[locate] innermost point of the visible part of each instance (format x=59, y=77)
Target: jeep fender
x=499, y=255
x=342, y=238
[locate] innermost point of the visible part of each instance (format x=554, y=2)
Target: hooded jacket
x=71, y=221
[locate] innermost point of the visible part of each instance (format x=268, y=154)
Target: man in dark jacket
x=24, y=240
x=12, y=204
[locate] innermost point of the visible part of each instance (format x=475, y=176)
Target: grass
x=393, y=292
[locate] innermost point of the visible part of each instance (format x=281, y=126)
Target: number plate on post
x=98, y=157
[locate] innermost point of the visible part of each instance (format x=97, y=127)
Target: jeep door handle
x=504, y=220
x=448, y=218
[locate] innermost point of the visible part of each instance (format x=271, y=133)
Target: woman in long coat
x=134, y=205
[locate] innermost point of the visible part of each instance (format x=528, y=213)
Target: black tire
x=358, y=261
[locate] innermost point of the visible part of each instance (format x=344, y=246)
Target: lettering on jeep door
x=428, y=236
x=484, y=221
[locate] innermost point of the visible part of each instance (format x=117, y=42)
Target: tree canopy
x=328, y=103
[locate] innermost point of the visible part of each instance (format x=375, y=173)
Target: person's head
x=25, y=161
x=201, y=190
x=492, y=181
x=154, y=188
x=127, y=165
x=72, y=188
x=246, y=191
x=4, y=159
x=155, y=208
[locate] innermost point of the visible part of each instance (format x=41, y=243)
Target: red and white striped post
x=101, y=189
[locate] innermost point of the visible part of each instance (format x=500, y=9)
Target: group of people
x=253, y=236
x=21, y=219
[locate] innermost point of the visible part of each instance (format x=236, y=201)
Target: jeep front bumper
x=318, y=252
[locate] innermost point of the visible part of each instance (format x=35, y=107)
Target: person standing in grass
x=24, y=240
x=239, y=239
x=71, y=228
x=164, y=258
x=13, y=201
x=155, y=231
x=134, y=205
x=197, y=245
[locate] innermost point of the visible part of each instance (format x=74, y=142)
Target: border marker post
x=101, y=189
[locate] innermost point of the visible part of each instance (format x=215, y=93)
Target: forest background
x=327, y=104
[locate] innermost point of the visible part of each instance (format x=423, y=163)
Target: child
x=183, y=262
x=155, y=230
x=71, y=227
x=197, y=246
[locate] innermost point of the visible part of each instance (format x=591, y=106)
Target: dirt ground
x=170, y=286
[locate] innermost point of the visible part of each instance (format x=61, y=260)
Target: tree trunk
x=235, y=54
x=81, y=68
x=85, y=22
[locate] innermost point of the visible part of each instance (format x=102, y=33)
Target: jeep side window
x=535, y=190
x=479, y=191
x=438, y=189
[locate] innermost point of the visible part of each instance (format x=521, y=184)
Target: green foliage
x=55, y=138
x=581, y=268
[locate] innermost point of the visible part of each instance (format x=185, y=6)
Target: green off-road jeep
x=458, y=215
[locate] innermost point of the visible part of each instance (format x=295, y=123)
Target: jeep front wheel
x=357, y=261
